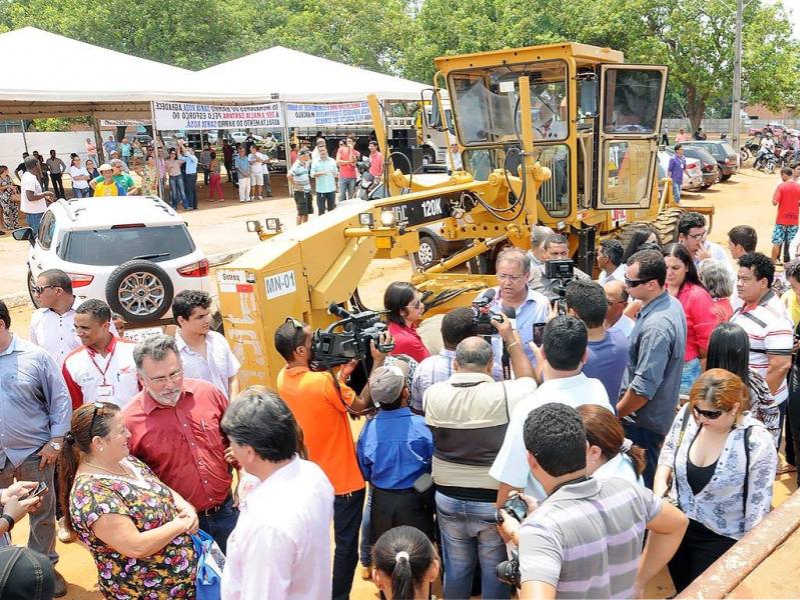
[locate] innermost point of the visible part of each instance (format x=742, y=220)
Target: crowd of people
x=533, y=454
x=173, y=171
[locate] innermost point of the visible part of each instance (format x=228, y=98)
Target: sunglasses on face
x=711, y=415
x=38, y=289
x=632, y=283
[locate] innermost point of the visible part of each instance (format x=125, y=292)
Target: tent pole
x=286, y=141
x=98, y=140
x=24, y=138
x=156, y=153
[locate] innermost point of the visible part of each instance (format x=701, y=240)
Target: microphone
x=511, y=313
x=489, y=294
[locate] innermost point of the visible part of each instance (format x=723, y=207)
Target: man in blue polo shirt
x=190, y=176
x=394, y=450
x=677, y=165
x=242, y=166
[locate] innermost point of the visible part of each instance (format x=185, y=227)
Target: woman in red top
x=698, y=306
x=405, y=307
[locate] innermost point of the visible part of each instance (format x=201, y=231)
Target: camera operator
x=564, y=548
x=468, y=415
x=513, y=268
x=555, y=247
x=320, y=403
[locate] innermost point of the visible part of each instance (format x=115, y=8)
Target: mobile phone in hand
x=538, y=333
x=40, y=489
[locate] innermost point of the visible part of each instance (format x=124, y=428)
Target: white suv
x=133, y=252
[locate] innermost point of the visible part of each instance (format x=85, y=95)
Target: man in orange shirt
x=320, y=405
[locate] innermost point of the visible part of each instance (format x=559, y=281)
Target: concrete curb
x=215, y=260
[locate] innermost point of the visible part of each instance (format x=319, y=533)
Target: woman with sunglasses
x=717, y=465
x=135, y=526
x=729, y=349
x=404, y=305
x=684, y=284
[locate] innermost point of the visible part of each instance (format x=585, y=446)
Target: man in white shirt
x=617, y=296
x=286, y=516
x=53, y=325
x=692, y=232
x=102, y=369
x=205, y=354
x=33, y=200
x=609, y=259
x=563, y=353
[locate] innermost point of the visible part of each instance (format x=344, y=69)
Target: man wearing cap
x=300, y=177
x=107, y=185
x=394, y=450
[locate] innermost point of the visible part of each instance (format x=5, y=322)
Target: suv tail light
x=80, y=280
x=196, y=269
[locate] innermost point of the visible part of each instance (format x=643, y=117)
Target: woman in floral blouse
x=135, y=526
x=717, y=465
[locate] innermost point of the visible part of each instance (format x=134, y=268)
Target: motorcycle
x=367, y=185
x=748, y=149
x=766, y=161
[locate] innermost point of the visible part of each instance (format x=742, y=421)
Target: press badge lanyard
x=107, y=390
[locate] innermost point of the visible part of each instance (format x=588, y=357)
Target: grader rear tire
x=666, y=223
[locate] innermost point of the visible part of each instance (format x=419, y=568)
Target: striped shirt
x=770, y=332
x=586, y=538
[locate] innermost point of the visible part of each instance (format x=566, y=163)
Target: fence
x=723, y=125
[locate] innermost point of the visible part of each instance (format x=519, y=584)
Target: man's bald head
x=617, y=296
x=474, y=355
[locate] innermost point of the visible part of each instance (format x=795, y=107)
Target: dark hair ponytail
x=406, y=554
x=77, y=441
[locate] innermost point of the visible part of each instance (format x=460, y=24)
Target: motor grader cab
x=563, y=135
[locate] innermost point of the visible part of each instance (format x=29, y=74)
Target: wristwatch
x=56, y=446
x=8, y=519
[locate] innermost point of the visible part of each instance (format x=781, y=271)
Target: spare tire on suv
x=140, y=291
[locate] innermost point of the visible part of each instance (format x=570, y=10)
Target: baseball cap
x=105, y=167
x=386, y=382
x=305, y=153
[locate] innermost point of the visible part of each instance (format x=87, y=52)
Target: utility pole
x=736, y=118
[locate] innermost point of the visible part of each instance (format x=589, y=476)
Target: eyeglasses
x=174, y=376
x=711, y=415
x=632, y=283
x=416, y=304
x=697, y=236
x=38, y=289
x=511, y=278
x=97, y=407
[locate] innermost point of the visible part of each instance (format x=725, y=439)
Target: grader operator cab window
x=486, y=103
x=631, y=102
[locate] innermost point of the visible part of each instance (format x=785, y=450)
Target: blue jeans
x=676, y=191
x=190, y=188
x=176, y=191
x=650, y=442
x=80, y=193
x=470, y=537
x=326, y=201
x=220, y=524
x=365, y=550
x=33, y=220
x=347, y=188
x=690, y=373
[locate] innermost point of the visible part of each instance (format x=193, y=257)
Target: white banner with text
x=322, y=115
x=173, y=116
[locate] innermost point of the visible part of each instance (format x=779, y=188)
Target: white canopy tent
x=294, y=76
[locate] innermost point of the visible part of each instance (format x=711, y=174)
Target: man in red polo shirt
x=175, y=429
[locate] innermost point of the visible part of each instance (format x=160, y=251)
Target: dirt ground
x=743, y=200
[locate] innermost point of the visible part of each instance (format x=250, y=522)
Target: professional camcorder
x=508, y=570
x=561, y=272
x=483, y=315
x=348, y=339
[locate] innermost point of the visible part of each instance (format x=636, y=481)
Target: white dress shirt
x=624, y=324
x=55, y=333
x=617, y=275
x=217, y=366
x=281, y=547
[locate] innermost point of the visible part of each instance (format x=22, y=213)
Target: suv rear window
x=112, y=247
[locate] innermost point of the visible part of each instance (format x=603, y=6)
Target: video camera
x=561, y=272
x=508, y=570
x=348, y=339
x=483, y=315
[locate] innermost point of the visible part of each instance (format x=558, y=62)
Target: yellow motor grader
x=564, y=135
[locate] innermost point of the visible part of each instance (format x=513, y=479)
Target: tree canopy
x=693, y=37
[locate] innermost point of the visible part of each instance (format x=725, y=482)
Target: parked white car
x=692, y=176
x=134, y=252
x=240, y=136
